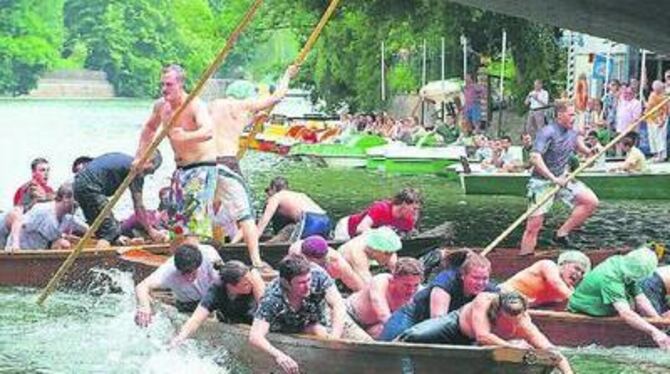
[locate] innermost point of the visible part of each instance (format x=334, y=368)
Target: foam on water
x=93, y=332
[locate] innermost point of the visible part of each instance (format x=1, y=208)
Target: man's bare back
x=362, y=303
x=293, y=204
x=230, y=116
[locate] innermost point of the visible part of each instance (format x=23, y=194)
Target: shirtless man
x=309, y=217
x=194, y=181
x=547, y=282
x=372, y=306
x=230, y=116
x=490, y=319
x=317, y=251
x=378, y=245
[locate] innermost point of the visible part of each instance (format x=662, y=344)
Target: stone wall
x=73, y=84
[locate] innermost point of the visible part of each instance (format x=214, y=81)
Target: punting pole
x=299, y=60
x=643, y=74
x=51, y=286
x=572, y=176
x=442, y=77
x=383, y=73
x=423, y=82
x=464, y=43
x=502, y=81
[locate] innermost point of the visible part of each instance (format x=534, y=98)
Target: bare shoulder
x=158, y=104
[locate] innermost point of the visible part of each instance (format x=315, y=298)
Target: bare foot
x=526, y=253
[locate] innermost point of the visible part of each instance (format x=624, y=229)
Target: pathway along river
x=94, y=332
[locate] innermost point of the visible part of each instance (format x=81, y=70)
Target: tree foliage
x=31, y=32
x=132, y=39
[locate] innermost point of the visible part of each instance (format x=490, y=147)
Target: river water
x=93, y=332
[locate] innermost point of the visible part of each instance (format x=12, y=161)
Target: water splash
x=93, y=332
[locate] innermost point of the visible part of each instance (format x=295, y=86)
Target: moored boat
x=577, y=330
x=607, y=185
x=323, y=356
x=350, y=154
x=413, y=160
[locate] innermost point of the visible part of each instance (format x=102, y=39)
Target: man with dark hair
x=401, y=213
x=191, y=137
x=555, y=144
x=234, y=301
x=80, y=163
x=37, y=188
x=188, y=274
x=371, y=307
x=490, y=319
x=293, y=304
x=46, y=224
x=100, y=179
x=309, y=217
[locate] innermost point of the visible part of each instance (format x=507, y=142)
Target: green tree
x=31, y=33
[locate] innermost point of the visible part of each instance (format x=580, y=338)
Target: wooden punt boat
x=637, y=186
x=324, y=356
x=34, y=268
x=576, y=330
x=505, y=262
x=272, y=253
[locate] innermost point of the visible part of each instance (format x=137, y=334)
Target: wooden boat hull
x=576, y=330
x=272, y=253
x=34, y=268
x=505, y=262
x=340, y=356
x=644, y=186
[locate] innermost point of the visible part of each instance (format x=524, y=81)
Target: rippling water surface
x=93, y=332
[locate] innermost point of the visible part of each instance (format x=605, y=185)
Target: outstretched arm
x=257, y=105
x=257, y=338
x=338, y=311
x=530, y=333
x=378, y=299
x=270, y=209
x=635, y=321
x=197, y=318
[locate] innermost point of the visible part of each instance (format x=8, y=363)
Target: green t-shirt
x=602, y=287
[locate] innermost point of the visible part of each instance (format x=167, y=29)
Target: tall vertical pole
x=442, y=78
x=464, y=43
x=423, y=83
x=383, y=73
x=502, y=82
x=570, y=84
x=607, y=67
x=643, y=73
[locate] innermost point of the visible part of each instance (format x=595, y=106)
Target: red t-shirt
x=381, y=214
x=23, y=197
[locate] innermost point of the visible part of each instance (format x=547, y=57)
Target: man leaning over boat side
x=189, y=274
x=555, y=144
x=612, y=288
x=293, y=304
x=656, y=287
x=194, y=181
x=375, y=247
x=309, y=218
x=46, y=224
x=230, y=116
x=458, y=284
x=100, y=179
x=401, y=213
x=371, y=307
x=500, y=319
x=316, y=250
x=549, y=283
x=234, y=300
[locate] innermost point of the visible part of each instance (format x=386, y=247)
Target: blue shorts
x=312, y=224
x=473, y=114
x=654, y=288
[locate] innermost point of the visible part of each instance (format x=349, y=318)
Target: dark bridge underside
x=642, y=23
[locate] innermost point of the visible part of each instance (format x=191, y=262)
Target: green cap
x=639, y=263
x=577, y=257
x=241, y=90
x=383, y=239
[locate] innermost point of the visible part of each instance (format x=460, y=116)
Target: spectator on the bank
x=537, y=102
x=657, y=123
x=473, y=93
x=628, y=110
x=610, y=102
